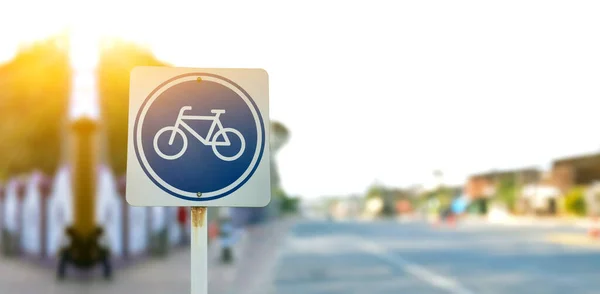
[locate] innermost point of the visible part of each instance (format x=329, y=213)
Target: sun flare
x=89, y=25
x=88, y=22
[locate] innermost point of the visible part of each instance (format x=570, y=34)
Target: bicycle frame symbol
x=209, y=140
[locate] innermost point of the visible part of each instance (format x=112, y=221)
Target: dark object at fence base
x=10, y=243
x=84, y=252
x=159, y=243
x=227, y=255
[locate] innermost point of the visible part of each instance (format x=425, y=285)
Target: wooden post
x=2, y=214
x=19, y=213
x=45, y=187
x=149, y=236
x=122, y=186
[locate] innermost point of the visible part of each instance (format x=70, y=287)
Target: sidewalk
x=252, y=272
x=255, y=256
x=571, y=239
x=528, y=221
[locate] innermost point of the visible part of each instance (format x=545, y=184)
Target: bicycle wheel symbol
x=223, y=133
x=176, y=132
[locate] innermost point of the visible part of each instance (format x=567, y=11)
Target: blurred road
x=171, y=275
x=388, y=257
x=318, y=257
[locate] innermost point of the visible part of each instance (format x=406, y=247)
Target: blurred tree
x=389, y=196
x=278, y=193
x=116, y=62
x=374, y=191
x=286, y=203
x=422, y=199
x=280, y=135
x=575, y=201
x=444, y=195
x=33, y=106
x=290, y=204
x=507, y=191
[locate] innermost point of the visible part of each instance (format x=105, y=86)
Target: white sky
x=383, y=90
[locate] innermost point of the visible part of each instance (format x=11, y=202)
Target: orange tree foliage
x=113, y=78
x=34, y=98
x=33, y=103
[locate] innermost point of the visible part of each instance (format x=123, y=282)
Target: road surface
x=389, y=257
x=318, y=257
x=170, y=275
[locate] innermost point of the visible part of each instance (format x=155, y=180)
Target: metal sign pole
x=199, y=240
x=235, y=156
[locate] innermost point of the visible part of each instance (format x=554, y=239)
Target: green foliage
x=280, y=129
x=287, y=204
x=34, y=100
x=575, y=201
x=278, y=193
x=374, y=191
x=422, y=200
x=444, y=195
x=34, y=90
x=290, y=204
x=113, y=78
x=507, y=191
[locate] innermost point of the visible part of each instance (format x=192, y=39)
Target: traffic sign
x=198, y=137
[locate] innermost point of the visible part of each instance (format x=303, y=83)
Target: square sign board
x=198, y=137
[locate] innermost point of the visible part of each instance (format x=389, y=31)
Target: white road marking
x=420, y=272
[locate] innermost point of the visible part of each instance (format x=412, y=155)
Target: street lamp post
x=85, y=250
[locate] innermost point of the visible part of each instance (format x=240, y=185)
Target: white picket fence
x=26, y=217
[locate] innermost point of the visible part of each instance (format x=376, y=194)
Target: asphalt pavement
x=318, y=257
x=416, y=257
x=250, y=273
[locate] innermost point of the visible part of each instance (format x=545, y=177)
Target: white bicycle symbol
x=176, y=130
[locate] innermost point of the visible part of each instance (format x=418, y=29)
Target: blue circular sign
x=199, y=134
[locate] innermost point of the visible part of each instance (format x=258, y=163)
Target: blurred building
x=483, y=185
x=579, y=171
x=373, y=207
x=480, y=188
x=573, y=171
x=381, y=201
x=346, y=207
x=541, y=197
x=593, y=199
